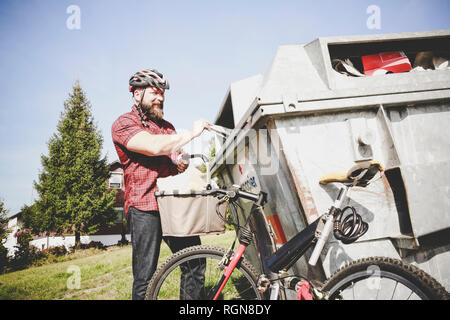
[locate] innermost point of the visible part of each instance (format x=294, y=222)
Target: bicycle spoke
x=196, y=275
x=395, y=288
x=390, y=284
x=246, y=290
x=182, y=289
x=197, y=285
x=410, y=295
x=208, y=280
x=186, y=294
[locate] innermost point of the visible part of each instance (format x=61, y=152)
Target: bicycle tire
x=166, y=283
x=377, y=272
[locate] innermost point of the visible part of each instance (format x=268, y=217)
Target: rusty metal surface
x=296, y=171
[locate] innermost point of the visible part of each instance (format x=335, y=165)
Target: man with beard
x=149, y=148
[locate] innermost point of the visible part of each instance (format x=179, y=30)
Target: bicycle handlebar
x=232, y=194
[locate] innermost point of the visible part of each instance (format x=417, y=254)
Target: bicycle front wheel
x=194, y=274
x=382, y=278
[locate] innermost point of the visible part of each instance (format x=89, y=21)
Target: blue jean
x=146, y=237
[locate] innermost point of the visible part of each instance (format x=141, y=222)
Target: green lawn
x=104, y=275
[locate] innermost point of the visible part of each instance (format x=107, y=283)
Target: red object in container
x=387, y=62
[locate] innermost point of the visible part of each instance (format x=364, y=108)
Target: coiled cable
x=351, y=228
x=245, y=236
x=244, y=233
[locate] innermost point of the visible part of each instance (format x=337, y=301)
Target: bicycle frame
x=273, y=260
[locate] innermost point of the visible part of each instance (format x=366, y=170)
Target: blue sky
x=200, y=46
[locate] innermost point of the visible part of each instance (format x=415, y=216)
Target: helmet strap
x=139, y=109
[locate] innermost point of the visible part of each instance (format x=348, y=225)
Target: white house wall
x=69, y=241
x=11, y=241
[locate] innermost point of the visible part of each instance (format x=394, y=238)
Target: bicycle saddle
x=358, y=175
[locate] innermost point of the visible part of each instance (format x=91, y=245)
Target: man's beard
x=153, y=113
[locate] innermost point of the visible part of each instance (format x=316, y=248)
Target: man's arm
x=162, y=144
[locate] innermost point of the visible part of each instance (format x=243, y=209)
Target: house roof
x=15, y=215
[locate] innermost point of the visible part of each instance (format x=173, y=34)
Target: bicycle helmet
x=148, y=78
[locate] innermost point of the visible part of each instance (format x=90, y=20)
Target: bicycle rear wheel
x=381, y=278
x=193, y=274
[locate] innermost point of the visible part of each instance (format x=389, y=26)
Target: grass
x=105, y=275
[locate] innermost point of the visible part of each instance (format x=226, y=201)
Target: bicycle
x=226, y=274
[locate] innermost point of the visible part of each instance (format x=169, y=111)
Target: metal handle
x=191, y=156
x=221, y=131
x=322, y=240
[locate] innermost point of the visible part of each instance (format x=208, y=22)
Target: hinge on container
x=290, y=102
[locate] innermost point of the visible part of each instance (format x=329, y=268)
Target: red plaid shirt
x=141, y=171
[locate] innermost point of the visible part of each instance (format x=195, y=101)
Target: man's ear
x=137, y=94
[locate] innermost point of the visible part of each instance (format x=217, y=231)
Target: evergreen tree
x=3, y=222
x=3, y=236
x=31, y=219
x=72, y=187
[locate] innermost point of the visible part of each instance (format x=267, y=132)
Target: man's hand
x=182, y=165
x=199, y=126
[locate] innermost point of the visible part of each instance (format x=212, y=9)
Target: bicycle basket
x=189, y=214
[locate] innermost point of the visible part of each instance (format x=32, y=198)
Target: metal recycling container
x=303, y=118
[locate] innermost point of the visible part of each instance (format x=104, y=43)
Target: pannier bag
x=189, y=214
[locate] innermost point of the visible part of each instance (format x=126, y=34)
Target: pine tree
x=3, y=222
x=3, y=235
x=72, y=187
